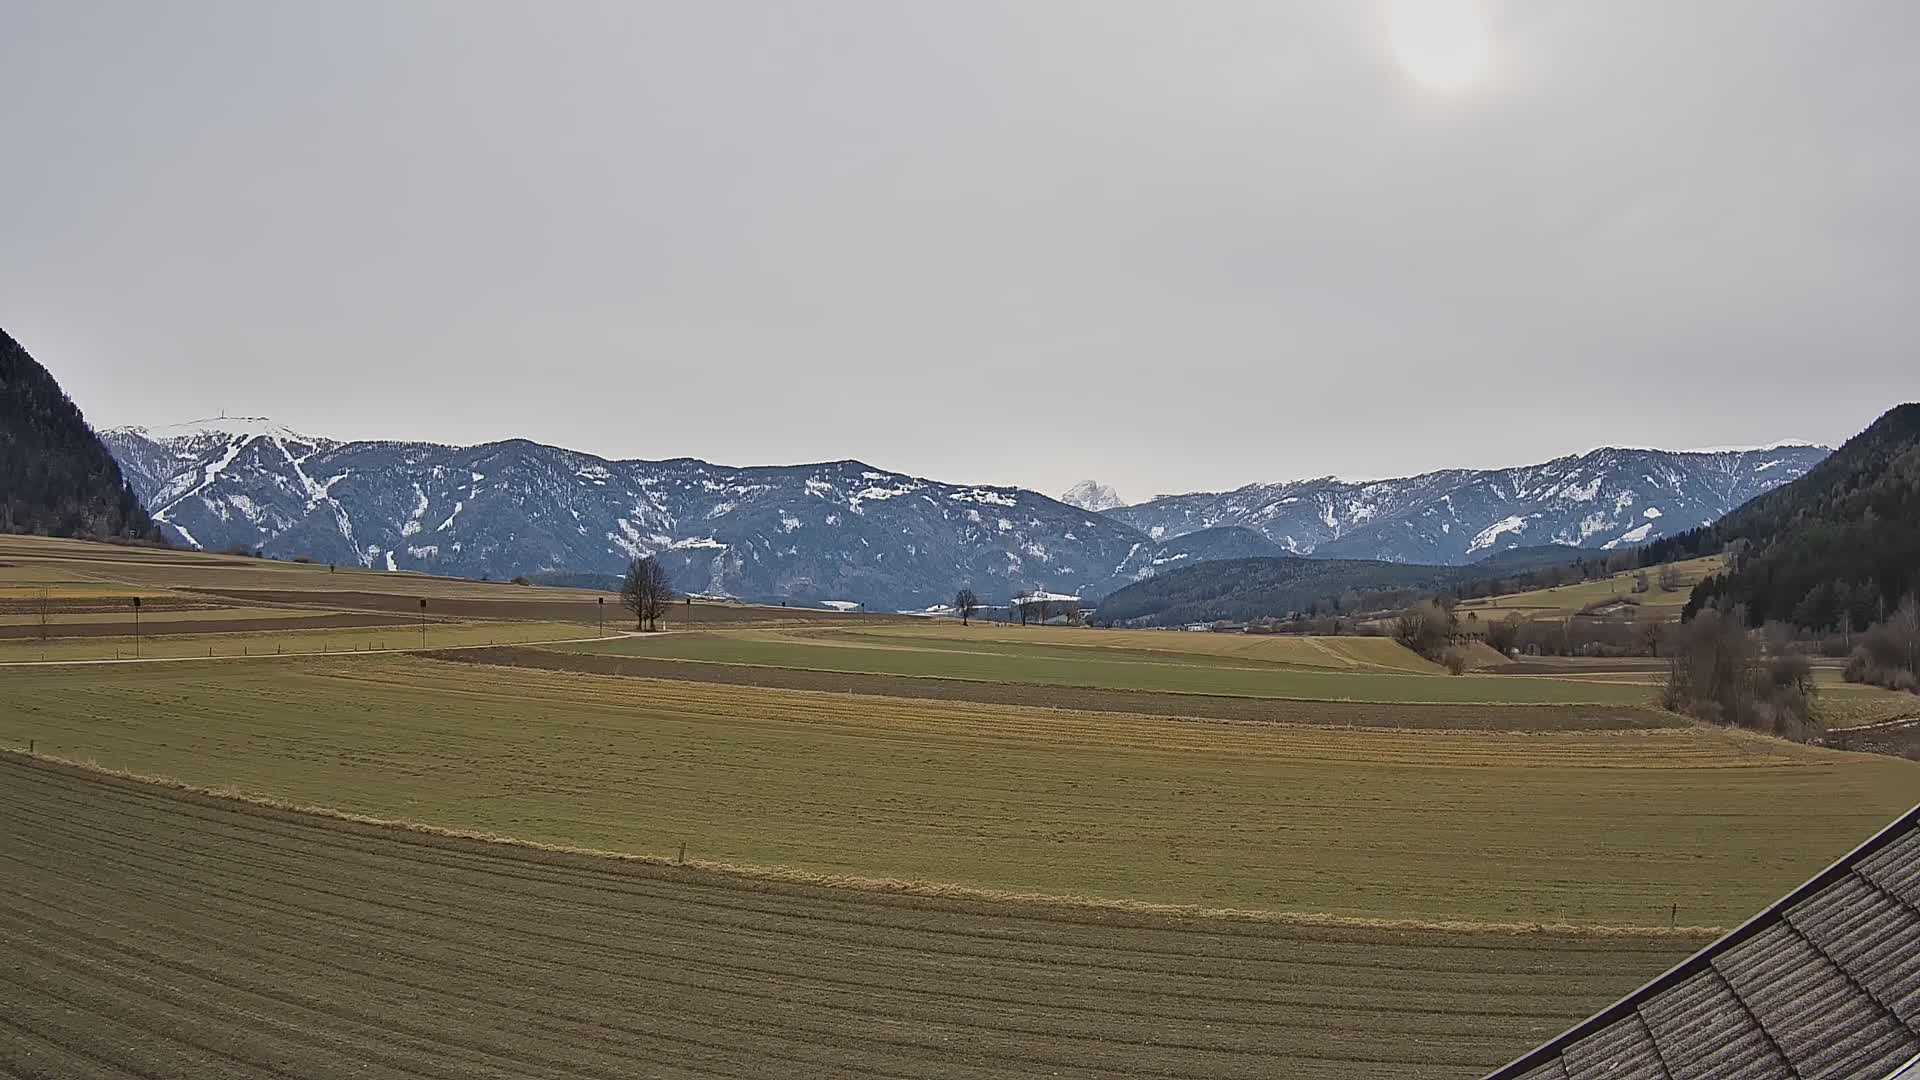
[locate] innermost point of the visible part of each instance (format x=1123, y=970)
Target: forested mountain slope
x=56, y=478
x=1841, y=542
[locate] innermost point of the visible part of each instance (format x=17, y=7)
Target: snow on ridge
x=1486, y=537
x=232, y=427
x=979, y=495
x=1778, y=444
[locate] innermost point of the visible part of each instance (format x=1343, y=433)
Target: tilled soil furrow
x=870, y=1028
x=461, y=1002
x=292, y=941
x=355, y=996
x=1266, y=974
x=37, y=1046
x=1160, y=1034
x=1064, y=925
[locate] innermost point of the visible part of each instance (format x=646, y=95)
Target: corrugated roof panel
x=1705, y=1033
x=1865, y=930
x=1824, y=1022
x=1623, y=1051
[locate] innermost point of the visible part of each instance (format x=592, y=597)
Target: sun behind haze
x=1442, y=44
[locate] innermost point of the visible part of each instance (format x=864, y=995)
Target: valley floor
x=169, y=935
x=910, y=848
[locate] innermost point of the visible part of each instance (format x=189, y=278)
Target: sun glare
x=1441, y=44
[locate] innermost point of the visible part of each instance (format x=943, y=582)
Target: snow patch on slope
x=1486, y=537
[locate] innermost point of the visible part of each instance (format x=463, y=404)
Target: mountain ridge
x=1607, y=497
x=816, y=531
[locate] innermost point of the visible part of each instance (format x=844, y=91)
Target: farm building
x=1824, y=983
x=1043, y=607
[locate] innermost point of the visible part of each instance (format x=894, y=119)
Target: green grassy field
x=957, y=654
x=1585, y=828
x=1564, y=600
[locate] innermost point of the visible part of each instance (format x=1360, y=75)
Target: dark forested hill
x=1244, y=589
x=56, y=477
x=1843, y=541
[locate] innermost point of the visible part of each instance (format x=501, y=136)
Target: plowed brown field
x=158, y=933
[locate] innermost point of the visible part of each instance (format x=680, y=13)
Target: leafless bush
x=1716, y=672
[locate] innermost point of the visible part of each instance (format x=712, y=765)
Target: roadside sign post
x=423, y=622
x=136, y=628
x=603, y=616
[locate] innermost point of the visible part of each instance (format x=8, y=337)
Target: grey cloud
x=1222, y=241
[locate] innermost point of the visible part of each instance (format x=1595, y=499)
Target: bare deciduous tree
x=43, y=611
x=646, y=592
x=965, y=604
x=1669, y=578
x=1426, y=628
x=1505, y=634
x=1647, y=629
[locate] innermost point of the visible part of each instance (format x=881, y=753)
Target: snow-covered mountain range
x=846, y=531
x=813, y=533
x=1605, y=498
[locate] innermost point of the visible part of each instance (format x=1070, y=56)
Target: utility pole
x=136, y=628
x=423, y=622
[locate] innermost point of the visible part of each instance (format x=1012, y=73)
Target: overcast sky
x=1170, y=245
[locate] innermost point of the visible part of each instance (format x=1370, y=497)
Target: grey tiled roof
x=1825, y=983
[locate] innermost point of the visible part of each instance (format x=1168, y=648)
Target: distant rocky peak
x=1092, y=495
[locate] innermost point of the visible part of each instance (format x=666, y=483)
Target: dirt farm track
x=158, y=933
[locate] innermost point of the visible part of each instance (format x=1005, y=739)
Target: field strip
x=1232, y=707
x=296, y=655
x=1475, y=826
x=1387, y=678
x=902, y=887
x=175, y=933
